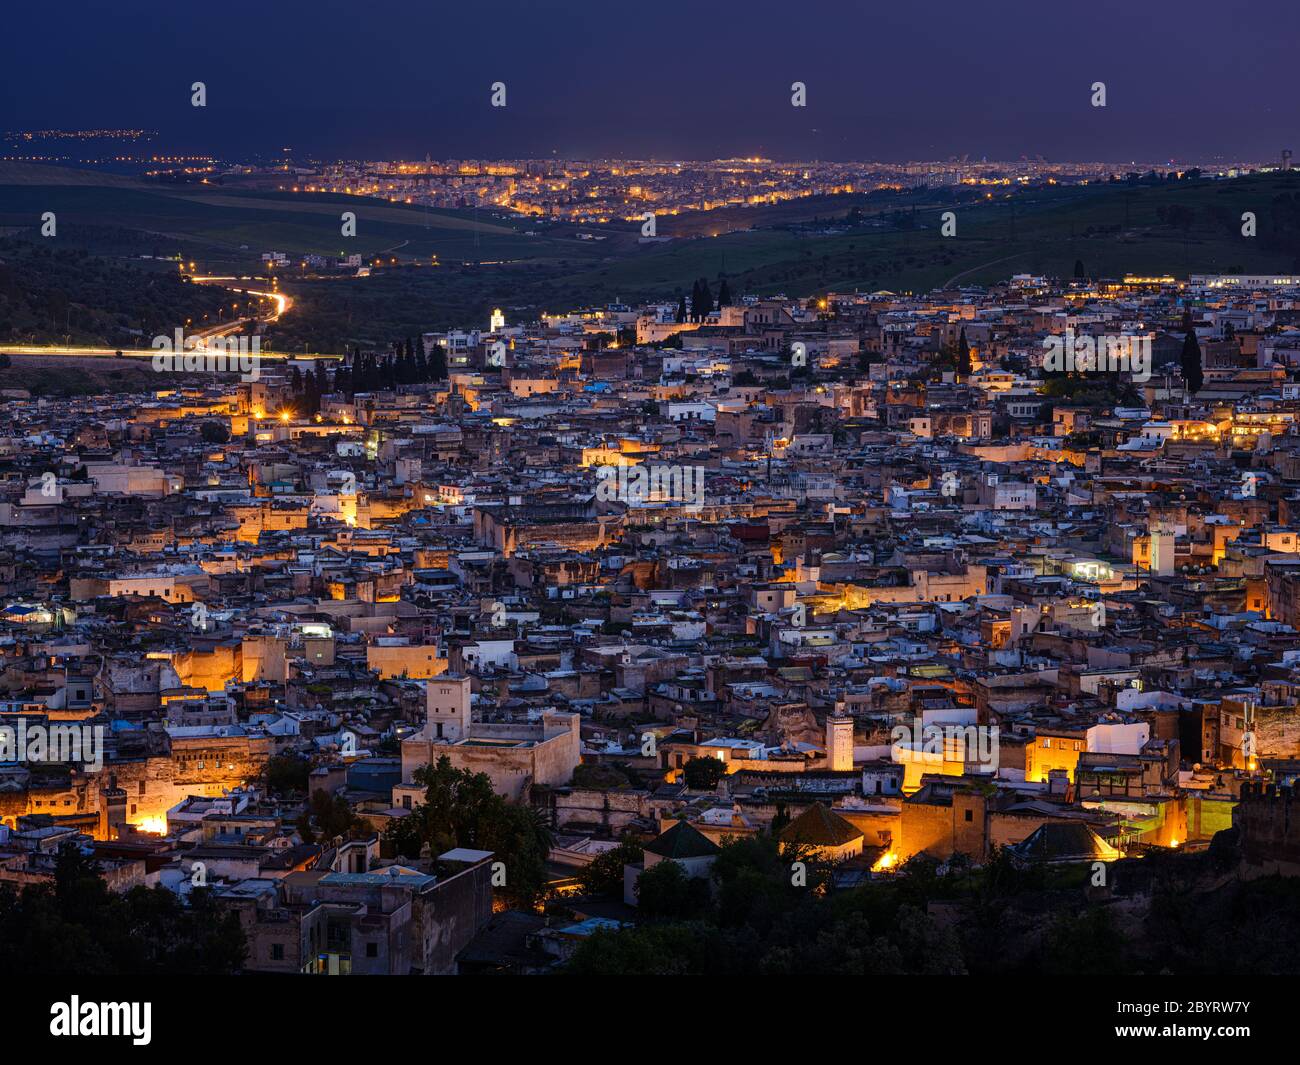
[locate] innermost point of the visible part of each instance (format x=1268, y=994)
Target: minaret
x=446, y=708
x=1162, y=551
x=839, y=742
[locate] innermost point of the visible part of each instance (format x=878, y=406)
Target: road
x=139, y=353
x=282, y=305
x=992, y=262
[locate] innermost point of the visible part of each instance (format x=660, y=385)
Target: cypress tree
x=1190, y=360
x=438, y=363
x=706, y=299
x=963, y=354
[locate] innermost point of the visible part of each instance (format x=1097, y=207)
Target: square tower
x=446, y=708
x=839, y=742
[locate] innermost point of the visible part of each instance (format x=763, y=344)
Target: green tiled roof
x=820, y=826
x=683, y=841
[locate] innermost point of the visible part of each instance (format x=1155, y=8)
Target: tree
x=703, y=774
x=664, y=891
x=724, y=294
x=214, y=433
x=310, y=402
x=754, y=886
x=855, y=946
x=405, y=837
x=1079, y=273
x=327, y=816
x=521, y=840
x=438, y=363
x=1083, y=944
x=461, y=809
x=649, y=950
x=286, y=773
x=604, y=874
x=963, y=354
x=705, y=307
x=1190, y=361
x=682, y=312
x=76, y=925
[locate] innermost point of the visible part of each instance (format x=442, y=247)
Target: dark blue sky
x=671, y=79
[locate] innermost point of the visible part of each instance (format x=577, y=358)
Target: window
x=372, y=950
x=970, y=815
x=277, y=952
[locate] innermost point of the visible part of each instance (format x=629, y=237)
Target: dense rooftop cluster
x=867, y=574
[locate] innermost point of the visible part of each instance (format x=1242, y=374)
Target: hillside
x=67, y=296
x=888, y=240
x=228, y=229
x=1176, y=228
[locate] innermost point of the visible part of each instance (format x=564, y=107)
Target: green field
x=225, y=229
x=1112, y=230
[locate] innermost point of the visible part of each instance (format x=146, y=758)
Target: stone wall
x=1269, y=822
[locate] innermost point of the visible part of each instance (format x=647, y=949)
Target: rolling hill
x=867, y=242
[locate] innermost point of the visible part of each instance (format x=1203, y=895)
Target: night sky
x=1195, y=80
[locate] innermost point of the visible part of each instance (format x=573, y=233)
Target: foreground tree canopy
x=1172, y=913
x=76, y=924
x=460, y=809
